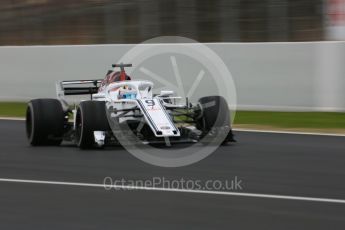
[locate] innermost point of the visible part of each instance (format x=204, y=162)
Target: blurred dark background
x=45, y=22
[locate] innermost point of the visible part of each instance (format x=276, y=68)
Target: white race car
x=119, y=107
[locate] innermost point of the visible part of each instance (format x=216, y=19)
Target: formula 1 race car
x=118, y=103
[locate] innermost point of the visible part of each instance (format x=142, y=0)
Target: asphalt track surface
x=279, y=164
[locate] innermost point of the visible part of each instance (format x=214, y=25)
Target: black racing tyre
x=214, y=115
x=45, y=121
x=91, y=116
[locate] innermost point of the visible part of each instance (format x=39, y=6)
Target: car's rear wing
x=77, y=87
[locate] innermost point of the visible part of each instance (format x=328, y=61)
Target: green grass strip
x=12, y=109
x=314, y=120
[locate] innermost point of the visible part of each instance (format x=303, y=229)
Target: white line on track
x=123, y=187
x=12, y=118
x=290, y=132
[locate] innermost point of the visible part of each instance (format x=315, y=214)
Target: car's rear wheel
x=45, y=120
x=91, y=116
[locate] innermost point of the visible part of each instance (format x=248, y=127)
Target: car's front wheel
x=214, y=116
x=91, y=116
